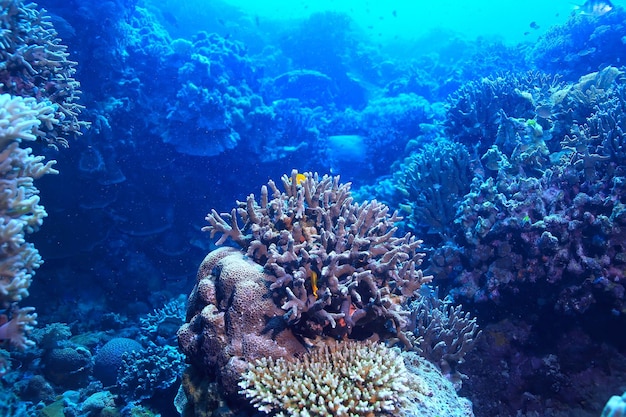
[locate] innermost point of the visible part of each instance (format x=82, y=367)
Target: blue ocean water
x=495, y=129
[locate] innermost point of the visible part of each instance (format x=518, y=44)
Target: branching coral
x=598, y=147
x=314, y=266
x=476, y=111
x=40, y=104
x=34, y=64
x=347, y=379
x=336, y=266
x=445, y=333
x=20, y=212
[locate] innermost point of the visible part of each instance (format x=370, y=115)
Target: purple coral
x=317, y=265
x=336, y=266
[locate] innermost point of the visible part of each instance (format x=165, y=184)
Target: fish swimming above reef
x=594, y=7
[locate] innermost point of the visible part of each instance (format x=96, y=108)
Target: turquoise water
x=385, y=21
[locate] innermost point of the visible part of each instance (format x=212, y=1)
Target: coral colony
x=314, y=267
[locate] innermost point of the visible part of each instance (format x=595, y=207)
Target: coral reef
x=335, y=265
x=495, y=110
x=580, y=44
x=20, y=211
x=350, y=378
x=110, y=358
x=37, y=101
x=430, y=184
x=217, y=92
x=160, y=327
x=561, y=226
x=539, y=226
x=68, y=367
x=228, y=319
x=146, y=372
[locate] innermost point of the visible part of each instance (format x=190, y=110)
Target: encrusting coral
x=343, y=380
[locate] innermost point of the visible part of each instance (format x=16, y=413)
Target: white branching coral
x=20, y=211
x=345, y=379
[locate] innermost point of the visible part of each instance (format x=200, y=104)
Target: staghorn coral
x=33, y=63
x=316, y=266
x=444, y=334
x=335, y=265
x=347, y=379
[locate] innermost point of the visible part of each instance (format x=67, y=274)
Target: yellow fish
x=300, y=178
x=314, y=282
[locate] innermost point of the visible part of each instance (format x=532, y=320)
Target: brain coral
x=108, y=360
